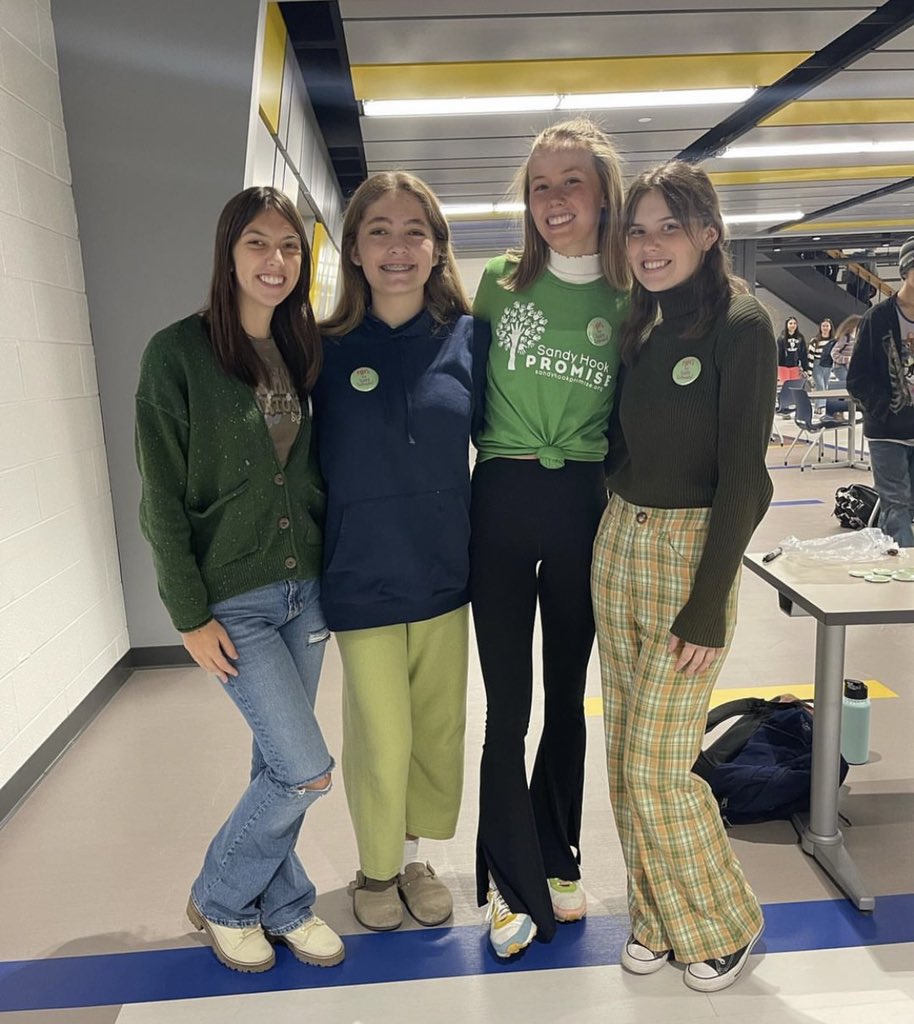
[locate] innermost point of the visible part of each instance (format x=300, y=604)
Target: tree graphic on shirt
x=520, y=327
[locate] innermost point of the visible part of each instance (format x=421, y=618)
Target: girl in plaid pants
x=689, y=485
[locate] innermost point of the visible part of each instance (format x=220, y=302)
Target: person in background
x=396, y=403
x=845, y=339
x=842, y=350
x=793, y=360
x=538, y=491
x=689, y=485
x=881, y=378
x=820, y=358
x=231, y=505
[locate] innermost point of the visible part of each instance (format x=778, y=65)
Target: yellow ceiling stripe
x=810, y=112
x=766, y=176
x=596, y=74
x=851, y=225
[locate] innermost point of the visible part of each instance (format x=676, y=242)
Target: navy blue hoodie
x=394, y=410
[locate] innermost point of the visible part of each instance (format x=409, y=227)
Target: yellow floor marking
x=593, y=706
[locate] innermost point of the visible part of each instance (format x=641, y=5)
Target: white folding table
x=835, y=600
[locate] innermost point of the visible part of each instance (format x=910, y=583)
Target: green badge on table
x=687, y=370
x=364, y=378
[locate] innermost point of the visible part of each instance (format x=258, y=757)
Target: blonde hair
x=531, y=261
x=445, y=297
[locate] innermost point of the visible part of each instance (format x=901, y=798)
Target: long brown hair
x=689, y=194
x=445, y=297
x=819, y=336
x=293, y=327
x=530, y=262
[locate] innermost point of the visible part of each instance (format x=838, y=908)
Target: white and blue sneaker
x=509, y=933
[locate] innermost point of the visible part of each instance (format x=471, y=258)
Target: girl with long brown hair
x=395, y=407
x=689, y=485
x=231, y=505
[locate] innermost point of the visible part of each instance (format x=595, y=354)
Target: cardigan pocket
x=225, y=530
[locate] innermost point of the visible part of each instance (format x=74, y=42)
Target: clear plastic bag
x=867, y=545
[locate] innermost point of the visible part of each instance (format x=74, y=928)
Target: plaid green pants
x=686, y=890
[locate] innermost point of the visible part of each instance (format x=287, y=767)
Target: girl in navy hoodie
x=404, y=366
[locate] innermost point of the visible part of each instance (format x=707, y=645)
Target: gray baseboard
x=16, y=789
x=160, y=657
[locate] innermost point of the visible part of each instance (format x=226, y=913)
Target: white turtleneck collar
x=575, y=269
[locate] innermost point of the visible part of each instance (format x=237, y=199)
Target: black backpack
x=854, y=505
x=760, y=769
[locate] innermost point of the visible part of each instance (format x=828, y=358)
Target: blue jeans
x=251, y=873
x=893, y=478
x=820, y=375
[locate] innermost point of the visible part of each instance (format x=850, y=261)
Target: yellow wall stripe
x=771, y=175
x=851, y=225
x=810, y=112
x=597, y=74
x=593, y=706
x=274, y=59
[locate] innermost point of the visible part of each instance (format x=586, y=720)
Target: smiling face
x=267, y=263
x=565, y=200
x=825, y=329
x=792, y=326
x=395, y=247
x=663, y=252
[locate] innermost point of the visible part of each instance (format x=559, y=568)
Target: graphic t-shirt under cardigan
x=695, y=417
x=223, y=512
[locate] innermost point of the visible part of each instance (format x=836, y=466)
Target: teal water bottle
x=855, y=722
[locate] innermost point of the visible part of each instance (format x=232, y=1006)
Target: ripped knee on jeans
x=321, y=784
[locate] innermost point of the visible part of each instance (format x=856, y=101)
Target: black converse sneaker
x=638, y=959
x=713, y=975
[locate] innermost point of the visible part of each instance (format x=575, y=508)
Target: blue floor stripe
x=193, y=973
x=798, y=501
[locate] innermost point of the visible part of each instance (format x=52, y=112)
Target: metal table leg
x=820, y=836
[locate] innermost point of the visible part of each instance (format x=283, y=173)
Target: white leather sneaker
x=313, y=942
x=241, y=949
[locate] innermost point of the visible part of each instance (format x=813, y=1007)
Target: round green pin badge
x=599, y=331
x=687, y=370
x=859, y=573
x=876, y=577
x=364, y=378
x=903, y=575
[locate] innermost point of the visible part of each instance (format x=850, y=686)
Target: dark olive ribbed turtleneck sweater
x=699, y=441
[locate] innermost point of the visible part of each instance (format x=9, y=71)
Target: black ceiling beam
x=878, y=28
x=878, y=193
x=317, y=36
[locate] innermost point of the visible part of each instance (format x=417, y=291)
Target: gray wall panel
x=157, y=103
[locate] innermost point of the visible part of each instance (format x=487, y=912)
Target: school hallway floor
x=96, y=865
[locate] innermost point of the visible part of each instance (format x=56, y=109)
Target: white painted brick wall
x=62, y=623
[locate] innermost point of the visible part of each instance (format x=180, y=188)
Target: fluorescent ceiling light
x=477, y=105
x=479, y=209
x=666, y=98
x=761, y=218
x=497, y=209
x=818, y=149
x=570, y=101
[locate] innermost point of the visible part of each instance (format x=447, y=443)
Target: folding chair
x=811, y=428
